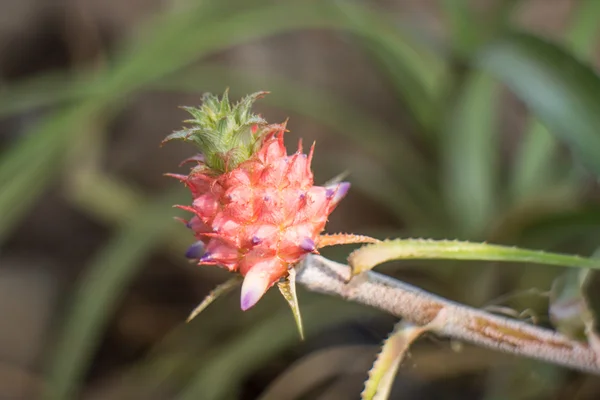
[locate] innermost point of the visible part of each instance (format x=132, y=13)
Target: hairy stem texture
x=457, y=321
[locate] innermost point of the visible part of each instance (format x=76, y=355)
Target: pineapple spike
x=179, y=177
x=256, y=283
x=310, y=154
x=287, y=287
x=337, y=179
x=343, y=238
x=183, y=221
x=213, y=295
x=198, y=158
x=186, y=208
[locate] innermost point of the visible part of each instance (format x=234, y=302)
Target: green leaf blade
x=560, y=90
x=100, y=289
x=470, y=155
x=395, y=347
x=371, y=255
x=535, y=167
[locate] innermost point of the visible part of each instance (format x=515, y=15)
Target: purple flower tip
x=206, y=257
x=343, y=188
x=256, y=240
x=254, y=287
x=307, y=244
x=337, y=192
x=195, y=251
x=249, y=299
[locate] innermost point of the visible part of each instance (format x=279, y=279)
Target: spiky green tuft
x=226, y=134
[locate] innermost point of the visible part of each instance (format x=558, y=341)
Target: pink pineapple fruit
x=255, y=208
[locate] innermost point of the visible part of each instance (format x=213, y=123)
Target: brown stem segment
x=459, y=321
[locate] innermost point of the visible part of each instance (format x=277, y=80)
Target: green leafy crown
x=226, y=134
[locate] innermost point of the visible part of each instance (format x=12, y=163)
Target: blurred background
x=454, y=119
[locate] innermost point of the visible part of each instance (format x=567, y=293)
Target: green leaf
x=582, y=35
x=470, y=26
x=41, y=91
x=224, y=132
x=535, y=165
x=226, y=367
x=100, y=289
x=560, y=90
x=414, y=71
x=371, y=255
x=464, y=27
x=395, y=347
x=28, y=167
x=470, y=155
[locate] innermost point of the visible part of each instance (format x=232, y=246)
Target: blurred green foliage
x=447, y=179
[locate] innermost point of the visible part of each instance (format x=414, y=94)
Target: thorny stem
x=458, y=321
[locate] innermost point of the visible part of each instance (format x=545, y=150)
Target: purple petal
x=337, y=192
x=195, y=251
x=193, y=222
x=307, y=244
x=206, y=257
x=256, y=240
x=196, y=224
x=254, y=287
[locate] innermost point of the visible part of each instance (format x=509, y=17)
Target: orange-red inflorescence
x=261, y=217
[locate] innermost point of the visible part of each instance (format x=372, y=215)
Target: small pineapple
x=255, y=208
